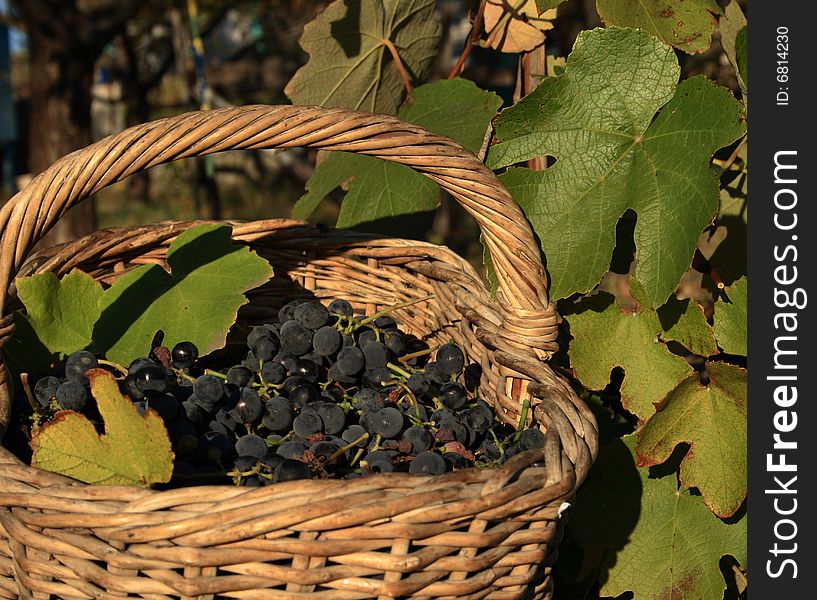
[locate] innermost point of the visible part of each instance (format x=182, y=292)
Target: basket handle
x=522, y=294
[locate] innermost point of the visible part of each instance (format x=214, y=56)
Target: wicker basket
x=476, y=533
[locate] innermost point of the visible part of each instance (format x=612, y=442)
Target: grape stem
x=523, y=419
x=27, y=389
x=398, y=370
x=393, y=307
x=113, y=365
x=408, y=357
x=349, y=446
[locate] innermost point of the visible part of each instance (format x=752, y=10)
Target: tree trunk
x=61, y=78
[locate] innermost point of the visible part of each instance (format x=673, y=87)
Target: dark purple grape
x=184, y=436
x=184, y=355
x=376, y=355
x=278, y=414
x=333, y=418
x=335, y=374
x=352, y=434
x=251, y=445
x=224, y=417
x=71, y=395
x=419, y=383
x=420, y=438
x=251, y=361
x=291, y=470
x=311, y=315
x=292, y=449
x=326, y=340
x=341, y=307
x=150, y=378
x=295, y=338
x=324, y=449
x=303, y=395
x=456, y=429
x=531, y=438
x=249, y=408
x=287, y=312
x=243, y=464
x=307, y=423
x=350, y=361
x=239, y=375
x=453, y=395
x=217, y=427
x=490, y=449
x=367, y=399
x=395, y=342
x=273, y=372
x=45, y=389
x=193, y=411
x=264, y=348
x=366, y=337
x=271, y=460
x=307, y=369
x=477, y=420
x=428, y=463
x=388, y=422
x=472, y=375
x=380, y=461
x=376, y=378
x=78, y=364
x=208, y=388
x=450, y=358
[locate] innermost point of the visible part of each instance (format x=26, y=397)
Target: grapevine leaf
x=731, y=320
x=134, y=450
x=544, y=5
x=383, y=194
x=197, y=302
x=605, y=338
x=685, y=24
x=712, y=420
x=742, y=52
x=684, y=322
x=350, y=64
x=597, y=119
x=519, y=30
x=674, y=543
x=62, y=312
x=731, y=24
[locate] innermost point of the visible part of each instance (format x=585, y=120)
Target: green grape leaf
x=731, y=318
x=613, y=154
x=604, y=338
x=712, y=420
x=134, y=450
x=664, y=542
x=544, y=5
x=389, y=198
x=350, y=64
x=686, y=24
x=197, y=302
x=684, y=322
x=62, y=312
x=731, y=24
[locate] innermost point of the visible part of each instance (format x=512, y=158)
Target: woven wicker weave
x=477, y=533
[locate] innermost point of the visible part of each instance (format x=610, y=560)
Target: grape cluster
x=320, y=392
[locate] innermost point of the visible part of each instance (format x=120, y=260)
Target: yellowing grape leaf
x=516, y=26
x=674, y=543
x=613, y=153
x=685, y=24
x=197, y=302
x=62, y=312
x=731, y=318
x=712, y=420
x=134, y=450
x=604, y=338
x=350, y=64
x=391, y=198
